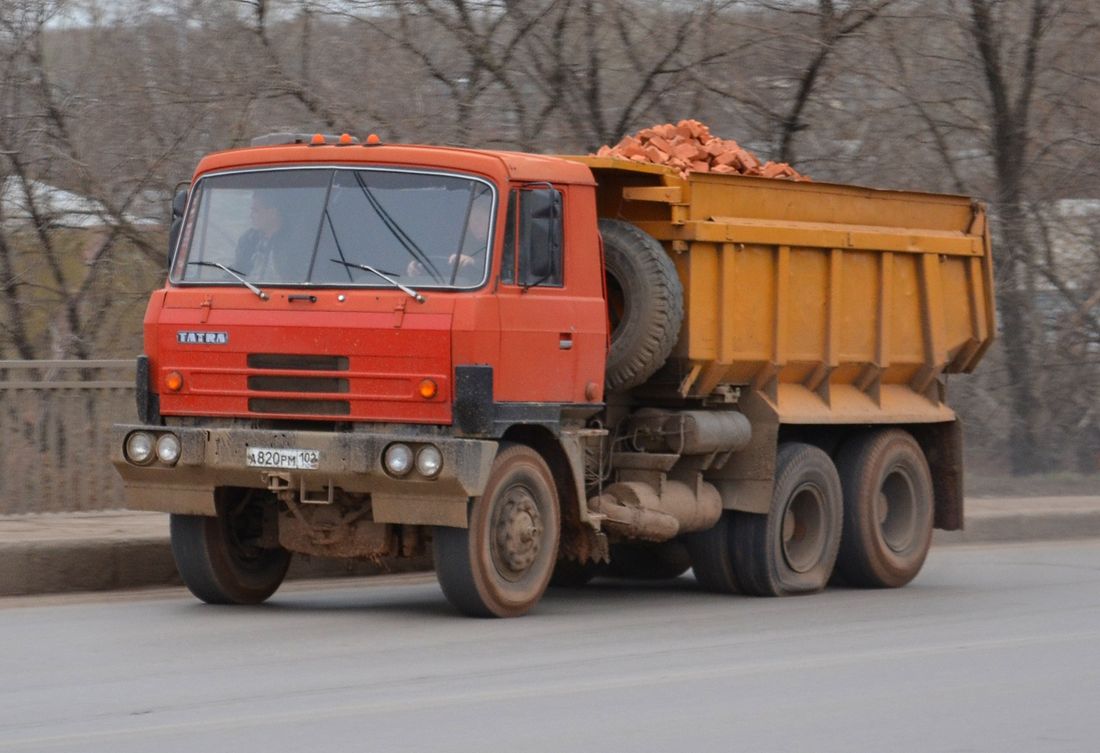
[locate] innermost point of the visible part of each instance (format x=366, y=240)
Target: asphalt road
x=993, y=648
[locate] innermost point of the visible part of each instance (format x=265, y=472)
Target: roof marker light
x=373, y=140
x=345, y=139
x=317, y=139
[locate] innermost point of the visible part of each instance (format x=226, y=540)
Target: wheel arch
x=563, y=459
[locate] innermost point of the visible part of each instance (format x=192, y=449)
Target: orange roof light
x=428, y=389
x=173, y=380
x=373, y=140
x=345, y=139
x=317, y=140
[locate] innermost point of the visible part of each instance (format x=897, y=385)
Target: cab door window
x=533, y=244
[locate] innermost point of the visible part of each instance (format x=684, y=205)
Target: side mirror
x=540, y=237
x=179, y=204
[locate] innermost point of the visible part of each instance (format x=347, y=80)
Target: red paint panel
x=383, y=357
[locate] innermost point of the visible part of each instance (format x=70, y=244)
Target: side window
x=508, y=255
x=540, y=237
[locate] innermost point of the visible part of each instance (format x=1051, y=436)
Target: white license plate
x=270, y=457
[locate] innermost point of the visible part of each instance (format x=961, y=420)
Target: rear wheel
x=888, y=509
x=221, y=559
x=662, y=561
x=501, y=564
x=712, y=557
x=793, y=548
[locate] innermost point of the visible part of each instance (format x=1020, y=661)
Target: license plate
x=291, y=459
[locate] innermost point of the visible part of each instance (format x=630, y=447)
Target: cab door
x=545, y=315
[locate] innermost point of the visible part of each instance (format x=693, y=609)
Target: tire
x=645, y=304
x=217, y=562
x=501, y=564
x=712, y=557
x=888, y=509
x=792, y=549
x=649, y=561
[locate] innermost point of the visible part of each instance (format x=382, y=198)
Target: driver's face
x=264, y=217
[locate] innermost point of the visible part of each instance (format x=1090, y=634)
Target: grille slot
x=290, y=406
x=297, y=384
x=290, y=362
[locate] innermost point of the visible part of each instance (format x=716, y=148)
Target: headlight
x=429, y=461
x=398, y=459
x=139, y=447
x=168, y=449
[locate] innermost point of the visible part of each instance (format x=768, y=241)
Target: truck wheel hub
x=518, y=531
x=803, y=533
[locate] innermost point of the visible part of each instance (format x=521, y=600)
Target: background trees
x=113, y=102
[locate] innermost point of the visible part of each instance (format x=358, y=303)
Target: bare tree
x=115, y=101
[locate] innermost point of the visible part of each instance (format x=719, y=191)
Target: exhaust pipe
x=636, y=510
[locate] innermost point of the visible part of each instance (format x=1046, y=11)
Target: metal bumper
x=351, y=461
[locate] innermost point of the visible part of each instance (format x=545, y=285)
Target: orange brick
x=686, y=150
x=656, y=155
x=688, y=146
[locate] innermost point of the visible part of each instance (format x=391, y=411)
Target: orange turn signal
x=173, y=380
x=428, y=389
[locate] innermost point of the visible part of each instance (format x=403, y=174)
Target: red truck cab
x=543, y=341
x=361, y=325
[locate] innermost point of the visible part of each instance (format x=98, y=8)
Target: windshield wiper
x=367, y=268
x=396, y=230
x=232, y=272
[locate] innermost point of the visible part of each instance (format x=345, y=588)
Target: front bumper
x=351, y=461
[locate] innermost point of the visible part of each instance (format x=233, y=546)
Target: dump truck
x=541, y=369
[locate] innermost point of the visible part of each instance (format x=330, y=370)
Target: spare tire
x=645, y=304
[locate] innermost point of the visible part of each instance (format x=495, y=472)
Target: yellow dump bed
x=834, y=304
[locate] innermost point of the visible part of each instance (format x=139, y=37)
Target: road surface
x=992, y=648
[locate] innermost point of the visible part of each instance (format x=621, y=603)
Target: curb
x=1021, y=527
x=53, y=567
x=38, y=562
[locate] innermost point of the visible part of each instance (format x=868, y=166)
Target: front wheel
x=221, y=559
x=501, y=564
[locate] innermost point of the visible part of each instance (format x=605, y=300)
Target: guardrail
x=55, y=419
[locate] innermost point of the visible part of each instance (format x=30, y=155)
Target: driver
x=263, y=250
x=474, y=246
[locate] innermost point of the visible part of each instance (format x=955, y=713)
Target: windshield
x=337, y=226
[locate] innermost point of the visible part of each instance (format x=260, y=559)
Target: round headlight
x=398, y=459
x=429, y=461
x=139, y=447
x=168, y=449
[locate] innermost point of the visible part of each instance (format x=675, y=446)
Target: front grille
x=290, y=362
x=297, y=384
x=293, y=407
x=303, y=384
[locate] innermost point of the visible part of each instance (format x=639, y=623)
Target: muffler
x=636, y=510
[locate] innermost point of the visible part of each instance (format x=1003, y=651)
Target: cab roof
x=501, y=166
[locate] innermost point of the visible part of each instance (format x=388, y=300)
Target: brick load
x=689, y=146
